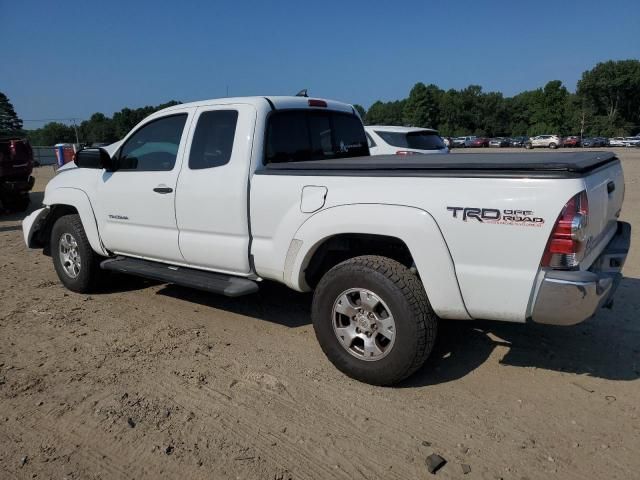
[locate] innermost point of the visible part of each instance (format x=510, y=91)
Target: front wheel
x=373, y=320
x=76, y=264
x=553, y=146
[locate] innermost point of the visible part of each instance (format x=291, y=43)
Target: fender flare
x=414, y=226
x=79, y=200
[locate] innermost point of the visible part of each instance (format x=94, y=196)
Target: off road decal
x=524, y=218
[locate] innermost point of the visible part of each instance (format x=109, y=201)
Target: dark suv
x=16, y=165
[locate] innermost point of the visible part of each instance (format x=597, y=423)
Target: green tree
x=422, y=108
x=613, y=90
x=52, y=133
x=98, y=129
x=389, y=113
x=10, y=123
x=127, y=118
x=360, y=109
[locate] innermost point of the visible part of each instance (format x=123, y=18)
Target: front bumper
x=31, y=225
x=570, y=297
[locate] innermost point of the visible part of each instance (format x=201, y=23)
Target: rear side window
x=417, y=140
x=300, y=135
x=212, y=142
x=154, y=146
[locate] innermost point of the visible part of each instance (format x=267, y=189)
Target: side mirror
x=94, y=158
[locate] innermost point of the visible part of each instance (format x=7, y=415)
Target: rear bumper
x=18, y=186
x=570, y=297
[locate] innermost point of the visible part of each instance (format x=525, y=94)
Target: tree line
x=98, y=129
x=606, y=103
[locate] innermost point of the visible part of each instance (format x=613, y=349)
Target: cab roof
x=268, y=102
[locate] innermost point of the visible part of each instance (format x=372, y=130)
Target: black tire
x=528, y=146
x=553, y=146
x=89, y=262
x=16, y=202
x=415, y=323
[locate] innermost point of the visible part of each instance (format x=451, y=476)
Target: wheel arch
x=406, y=234
x=67, y=201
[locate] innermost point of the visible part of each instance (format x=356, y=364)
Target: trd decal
x=493, y=215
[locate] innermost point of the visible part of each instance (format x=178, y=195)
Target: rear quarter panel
x=496, y=264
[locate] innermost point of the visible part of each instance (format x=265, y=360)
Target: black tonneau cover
x=528, y=164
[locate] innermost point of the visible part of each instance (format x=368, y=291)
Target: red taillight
x=317, y=103
x=405, y=152
x=565, y=248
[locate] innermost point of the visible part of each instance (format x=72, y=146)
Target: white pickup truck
x=221, y=195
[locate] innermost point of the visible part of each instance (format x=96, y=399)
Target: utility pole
x=75, y=129
x=582, y=126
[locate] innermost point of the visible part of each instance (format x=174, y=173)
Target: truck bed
x=521, y=164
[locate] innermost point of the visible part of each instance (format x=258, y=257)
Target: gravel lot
x=145, y=380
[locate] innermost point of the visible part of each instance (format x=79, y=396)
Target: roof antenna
x=302, y=93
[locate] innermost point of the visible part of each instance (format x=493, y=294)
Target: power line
x=51, y=120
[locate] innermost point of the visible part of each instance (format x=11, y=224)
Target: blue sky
x=72, y=58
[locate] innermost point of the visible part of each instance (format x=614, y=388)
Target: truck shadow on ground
x=273, y=303
x=606, y=346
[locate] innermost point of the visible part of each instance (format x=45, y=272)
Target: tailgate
x=605, y=191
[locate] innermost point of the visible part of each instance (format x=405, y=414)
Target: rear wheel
x=373, y=320
x=76, y=264
x=553, y=146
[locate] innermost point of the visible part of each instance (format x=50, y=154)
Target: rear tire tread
x=412, y=290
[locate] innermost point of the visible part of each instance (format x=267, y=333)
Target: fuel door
x=312, y=198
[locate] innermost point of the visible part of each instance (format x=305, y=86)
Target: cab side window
x=154, y=147
x=212, y=142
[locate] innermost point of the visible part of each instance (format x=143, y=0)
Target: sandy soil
x=144, y=380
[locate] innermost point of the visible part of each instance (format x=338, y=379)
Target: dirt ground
x=145, y=380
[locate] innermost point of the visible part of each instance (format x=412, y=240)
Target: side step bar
x=187, y=277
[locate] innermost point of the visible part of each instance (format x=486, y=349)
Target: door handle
x=163, y=189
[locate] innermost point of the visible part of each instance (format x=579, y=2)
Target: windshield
x=421, y=140
x=299, y=135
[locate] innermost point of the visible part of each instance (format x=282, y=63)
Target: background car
x=571, y=142
x=631, y=141
x=389, y=140
x=479, y=142
x=544, y=141
x=519, y=141
x=499, y=142
x=595, y=142
x=462, y=142
x=617, y=142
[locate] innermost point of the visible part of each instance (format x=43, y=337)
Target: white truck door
x=211, y=198
x=135, y=204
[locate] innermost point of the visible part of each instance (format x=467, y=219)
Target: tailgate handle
x=611, y=187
